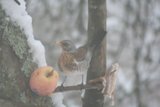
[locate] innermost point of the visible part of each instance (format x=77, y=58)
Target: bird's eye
x=65, y=44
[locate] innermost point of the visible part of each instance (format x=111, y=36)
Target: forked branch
x=105, y=83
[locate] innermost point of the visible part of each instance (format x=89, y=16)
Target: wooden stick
x=78, y=87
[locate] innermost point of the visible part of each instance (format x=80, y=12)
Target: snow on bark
x=19, y=15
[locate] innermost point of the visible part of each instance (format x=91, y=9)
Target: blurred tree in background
x=133, y=40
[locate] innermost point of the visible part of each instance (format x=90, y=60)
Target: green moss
x=13, y=34
x=17, y=40
x=15, y=37
x=23, y=97
x=16, y=65
x=26, y=67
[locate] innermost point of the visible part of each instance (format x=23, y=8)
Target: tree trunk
x=96, y=26
x=15, y=68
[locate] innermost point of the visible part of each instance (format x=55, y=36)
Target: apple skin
x=44, y=80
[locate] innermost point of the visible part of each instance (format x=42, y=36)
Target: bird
x=72, y=59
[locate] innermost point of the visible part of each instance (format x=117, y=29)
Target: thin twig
x=17, y=2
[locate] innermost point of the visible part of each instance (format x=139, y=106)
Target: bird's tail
x=95, y=40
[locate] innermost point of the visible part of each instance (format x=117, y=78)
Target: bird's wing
x=80, y=54
x=66, y=62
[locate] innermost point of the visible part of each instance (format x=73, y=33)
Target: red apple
x=44, y=80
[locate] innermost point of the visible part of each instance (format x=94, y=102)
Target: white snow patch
x=57, y=99
x=18, y=14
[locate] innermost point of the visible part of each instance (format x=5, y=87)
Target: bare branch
x=105, y=83
x=79, y=87
x=17, y=2
x=108, y=81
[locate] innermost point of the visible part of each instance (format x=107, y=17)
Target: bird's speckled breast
x=66, y=62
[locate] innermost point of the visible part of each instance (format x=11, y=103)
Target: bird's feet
x=62, y=84
x=82, y=83
x=82, y=90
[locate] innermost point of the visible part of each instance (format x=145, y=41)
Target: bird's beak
x=58, y=43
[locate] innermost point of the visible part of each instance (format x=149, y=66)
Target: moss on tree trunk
x=15, y=68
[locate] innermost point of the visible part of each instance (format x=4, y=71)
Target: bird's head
x=66, y=45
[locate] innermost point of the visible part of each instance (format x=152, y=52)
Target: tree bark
x=96, y=28
x=15, y=68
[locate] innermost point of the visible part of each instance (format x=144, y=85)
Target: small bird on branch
x=72, y=59
x=106, y=83
x=77, y=59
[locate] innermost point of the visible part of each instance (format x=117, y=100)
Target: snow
x=18, y=15
x=57, y=99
